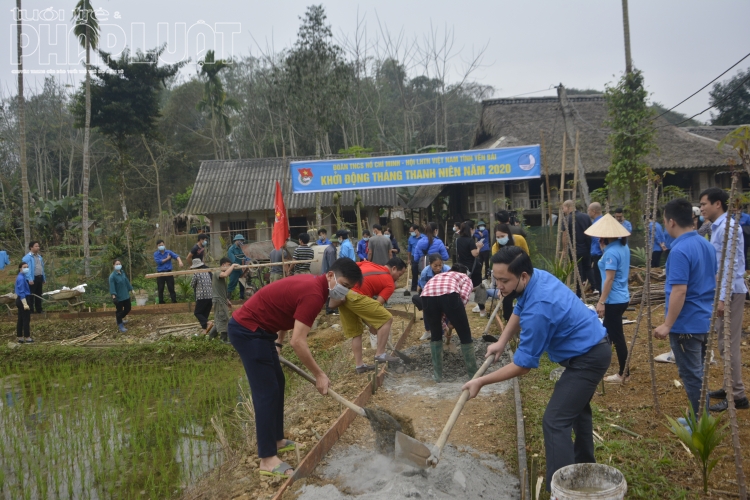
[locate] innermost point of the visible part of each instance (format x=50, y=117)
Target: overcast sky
x=530, y=45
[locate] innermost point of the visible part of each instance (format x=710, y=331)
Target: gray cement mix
x=416, y=379
x=357, y=473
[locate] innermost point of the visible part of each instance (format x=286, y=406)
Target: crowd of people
x=539, y=308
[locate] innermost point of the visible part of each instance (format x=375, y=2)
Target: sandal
x=289, y=445
x=279, y=470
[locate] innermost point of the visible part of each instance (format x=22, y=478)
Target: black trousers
x=23, y=325
x=414, y=275
x=453, y=307
x=569, y=409
x=122, y=308
x=656, y=258
x=484, y=259
x=595, y=277
x=476, y=278
x=202, y=310
x=584, y=265
x=169, y=281
x=417, y=301
x=613, y=323
x=35, y=303
x=261, y=362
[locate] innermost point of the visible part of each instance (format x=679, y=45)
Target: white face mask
x=339, y=291
x=162, y=248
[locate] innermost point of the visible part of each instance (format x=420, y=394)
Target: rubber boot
x=470, y=359
x=224, y=337
x=436, y=348
x=212, y=333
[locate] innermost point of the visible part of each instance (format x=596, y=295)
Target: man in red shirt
x=289, y=304
x=364, y=303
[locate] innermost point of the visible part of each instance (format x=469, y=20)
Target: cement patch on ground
x=361, y=474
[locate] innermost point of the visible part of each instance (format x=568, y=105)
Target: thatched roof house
x=238, y=197
x=691, y=152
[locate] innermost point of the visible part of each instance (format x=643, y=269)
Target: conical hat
x=607, y=227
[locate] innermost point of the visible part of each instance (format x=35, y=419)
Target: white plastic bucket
x=140, y=300
x=588, y=482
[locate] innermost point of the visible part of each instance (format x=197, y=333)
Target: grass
x=646, y=463
x=77, y=429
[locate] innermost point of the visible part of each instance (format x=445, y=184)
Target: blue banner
x=477, y=165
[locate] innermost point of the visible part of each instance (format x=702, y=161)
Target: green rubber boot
x=436, y=348
x=470, y=359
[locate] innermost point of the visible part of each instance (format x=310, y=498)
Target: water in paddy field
x=123, y=431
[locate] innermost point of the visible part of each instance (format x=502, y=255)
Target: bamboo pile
x=657, y=295
x=83, y=339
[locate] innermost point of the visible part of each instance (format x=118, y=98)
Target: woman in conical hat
x=614, y=266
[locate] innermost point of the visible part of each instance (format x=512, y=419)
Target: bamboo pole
x=546, y=178
x=561, y=195
x=211, y=269
x=647, y=293
x=731, y=409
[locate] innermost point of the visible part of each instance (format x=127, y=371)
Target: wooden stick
x=211, y=269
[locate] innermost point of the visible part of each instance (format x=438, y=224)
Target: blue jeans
x=689, y=352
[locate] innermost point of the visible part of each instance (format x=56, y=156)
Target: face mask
x=338, y=292
x=26, y=270
x=118, y=267
x=701, y=218
x=503, y=240
x=412, y=233
x=162, y=248
x=455, y=229
x=481, y=228
x=340, y=240
x=205, y=243
x=366, y=239
x=387, y=235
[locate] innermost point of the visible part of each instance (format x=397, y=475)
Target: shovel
x=420, y=455
x=407, y=293
x=404, y=357
x=384, y=425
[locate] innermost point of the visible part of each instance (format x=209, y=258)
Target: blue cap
x=239, y=237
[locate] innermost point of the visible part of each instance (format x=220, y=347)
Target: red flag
x=281, y=225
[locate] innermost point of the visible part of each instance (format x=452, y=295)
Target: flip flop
x=279, y=470
x=289, y=445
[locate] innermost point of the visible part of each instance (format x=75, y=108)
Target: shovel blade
x=411, y=451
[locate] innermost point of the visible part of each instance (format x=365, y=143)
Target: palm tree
x=87, y=31
x=22, y=132
x=215, y=101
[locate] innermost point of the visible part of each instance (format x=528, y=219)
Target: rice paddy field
x=83, y=430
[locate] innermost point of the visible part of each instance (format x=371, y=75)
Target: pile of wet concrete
x=357, y=473
x=454, y=368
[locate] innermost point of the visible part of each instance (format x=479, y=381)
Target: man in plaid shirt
x=447, y=294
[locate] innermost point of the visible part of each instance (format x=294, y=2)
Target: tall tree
x=632, y=138
x=215, y=103
x=87, y=31
x=732, y=99
x=125, y=101
x=22, y=132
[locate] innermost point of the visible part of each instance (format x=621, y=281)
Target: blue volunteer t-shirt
x=553, y=319
x=692, y=262
x=616, y=258
x=595, y=250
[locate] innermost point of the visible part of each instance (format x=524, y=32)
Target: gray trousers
x=735, y=340
x=569, y=409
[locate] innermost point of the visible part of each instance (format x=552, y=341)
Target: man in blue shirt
x=362, y=245
x=551, y=318
x=594, y=277
x=163, y=259
x=322, y=237
x=689, y=291
x=620, y=216
x=4, y=260
x=415, y=234
x=481, y=233
x=657, y=238
x=347, y=250
x=37, y=276
x=714, y=208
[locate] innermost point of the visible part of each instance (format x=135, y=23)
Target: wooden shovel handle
x=492, y=316
x=356, y=409
x=459, y=406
